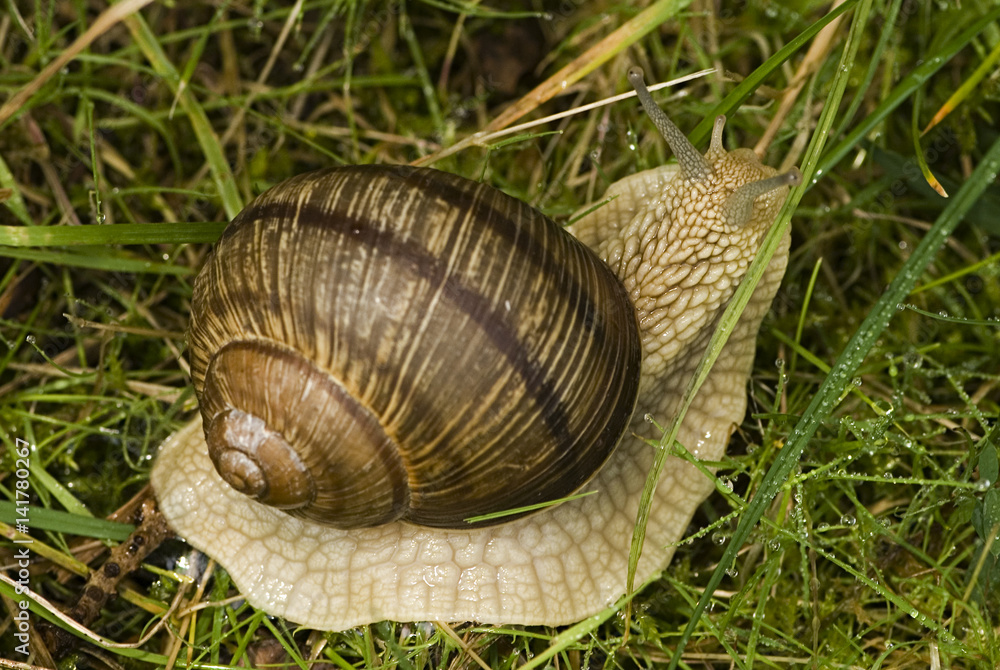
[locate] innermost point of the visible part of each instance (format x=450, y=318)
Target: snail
x=504, y=358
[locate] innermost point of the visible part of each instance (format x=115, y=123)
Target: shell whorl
x=478, y=358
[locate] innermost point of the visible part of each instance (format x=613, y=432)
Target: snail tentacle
x=737, y=211
x=694, y=166
x=715, y=148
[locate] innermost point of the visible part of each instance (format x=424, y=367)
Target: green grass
x=859, y=524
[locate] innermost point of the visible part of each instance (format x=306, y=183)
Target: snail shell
x=371, y=344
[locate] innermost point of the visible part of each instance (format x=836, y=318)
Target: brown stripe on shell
x=433, y=185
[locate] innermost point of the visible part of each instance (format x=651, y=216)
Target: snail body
x=580, y=341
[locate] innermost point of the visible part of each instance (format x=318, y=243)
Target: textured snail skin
x=667, y=238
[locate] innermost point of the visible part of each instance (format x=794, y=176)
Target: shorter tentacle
x=716, y=146
x=738, y=208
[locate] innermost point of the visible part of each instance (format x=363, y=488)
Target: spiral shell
x=449, y=351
